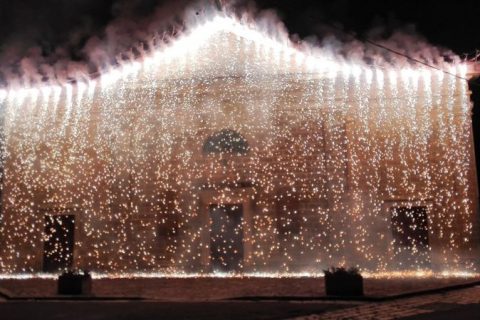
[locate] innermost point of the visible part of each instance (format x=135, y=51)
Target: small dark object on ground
x=75, y=283
x=343, y=282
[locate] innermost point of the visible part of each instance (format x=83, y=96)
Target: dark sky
x=47, y=24
x=451, y=24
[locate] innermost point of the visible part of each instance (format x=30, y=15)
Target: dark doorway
x=226, y=237
x=410, y=237
x=59, y=241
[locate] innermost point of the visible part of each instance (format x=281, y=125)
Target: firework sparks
x=331, y=162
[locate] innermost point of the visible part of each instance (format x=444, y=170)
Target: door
x=226, y=237
x=58, y=244
x=410, y=237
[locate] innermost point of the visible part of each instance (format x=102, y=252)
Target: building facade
x=230, y=151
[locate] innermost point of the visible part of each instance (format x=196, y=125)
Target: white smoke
x=129, y=36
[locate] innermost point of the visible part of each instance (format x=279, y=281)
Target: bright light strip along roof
x=200, y=33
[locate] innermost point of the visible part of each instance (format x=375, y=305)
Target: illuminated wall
x=334, y=149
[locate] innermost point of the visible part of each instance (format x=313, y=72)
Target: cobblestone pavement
x=208, y=289
x=153, y=310
x=458, y=305
x=434, y=306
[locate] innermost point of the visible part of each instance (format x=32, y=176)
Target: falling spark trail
x=333, y=163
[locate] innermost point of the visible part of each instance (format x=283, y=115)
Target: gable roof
x=197, y=49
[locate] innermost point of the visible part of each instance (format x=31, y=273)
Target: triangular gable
x=225, y=47
x=222, y=46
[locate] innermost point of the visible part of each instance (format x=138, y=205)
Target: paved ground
x=461, y=304
x=455, y=304
x=208, y=289
x=143, y=310
x=466, y=312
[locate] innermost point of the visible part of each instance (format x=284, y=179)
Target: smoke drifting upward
x=57, y=42
x=61, y=41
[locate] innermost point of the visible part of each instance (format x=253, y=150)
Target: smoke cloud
x=51, y=41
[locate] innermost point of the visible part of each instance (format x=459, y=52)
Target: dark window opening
x=288, y=213
x=226, y=141
x=168, y=227
x=59, y=242
x=410, y=236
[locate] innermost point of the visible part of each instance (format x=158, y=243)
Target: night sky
x=48, y=24
x=447, y=23
x=60, y=29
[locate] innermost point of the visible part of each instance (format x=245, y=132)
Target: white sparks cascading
x=337, y=151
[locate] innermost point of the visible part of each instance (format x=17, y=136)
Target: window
x=410, y=226
x=410, y=236
x=168, y=226
x=288, y=213
x=226, y=141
